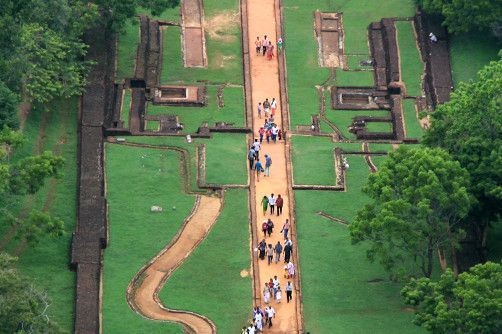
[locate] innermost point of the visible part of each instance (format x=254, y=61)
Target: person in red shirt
x=279, y=202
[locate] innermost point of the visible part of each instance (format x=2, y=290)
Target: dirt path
x=142, y=293
x=265, y=84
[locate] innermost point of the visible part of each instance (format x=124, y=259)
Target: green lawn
x=126, y=108
x=413, y=128
x=411, y=63
x=379, y=126
x=222, y=151
x=152, y=125
x=304, y=72
x=193, y=117
x=313, y=160
x=136, y=234
x=470, y=52
x=342, y=119
x=223, y=46
x=127, y=48
x=209, y=282
x=46, y=264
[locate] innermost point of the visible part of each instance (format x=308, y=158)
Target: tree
x=466, y=15
x=418, y=198
x=8, y=107
x=469, y=127
x=470, y=303
x=23, y=309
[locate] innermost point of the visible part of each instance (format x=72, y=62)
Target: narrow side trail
x=142, y=293
x=265, y=84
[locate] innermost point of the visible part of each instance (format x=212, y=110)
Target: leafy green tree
x=469, y=304
x=23, y=309
x=8, y=107
x=418, y=197
x=466, y=15
x=469, y=127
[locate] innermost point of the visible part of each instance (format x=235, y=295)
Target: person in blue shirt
x=259, y=168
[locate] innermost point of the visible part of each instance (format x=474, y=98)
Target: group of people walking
x=264, y=46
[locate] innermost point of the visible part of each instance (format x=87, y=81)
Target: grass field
x=126, y=108
x=136, y=234
x=127, y=47
x=193, y=117
x=411, y=63
x=413, y=128
x=342, y=119
x=209, y=282
x=46, y=263
x=379, y=126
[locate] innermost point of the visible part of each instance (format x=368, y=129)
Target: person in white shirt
x=258, y=321
x=271, y=203
x=256, y=147
x=273, y=106
x=275, y=131
x=276, y=285
x=278, y=295
x=270, y=314
x=289, y=291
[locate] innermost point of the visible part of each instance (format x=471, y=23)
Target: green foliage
x=23, y=309
x=469, y=127
x=8, y=107
x=419, y=195
x=470, y=303
x=37, y=225
x=466, y=15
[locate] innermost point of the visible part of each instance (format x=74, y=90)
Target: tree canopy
x=418, y=197
x=470, y=303
x=466, y=15
x=469, y=127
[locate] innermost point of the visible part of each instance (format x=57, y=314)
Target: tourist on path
x=256, y=147
x=270, y=51
x=257, y=43
x=289, y=291
x=270, y=314
x=261, y=132
x=276, y=284
x=278, y=295
x=268, y=163
x=279, y=135
x=270, y=227
x=266, y=294
x=258, y=322
x=291, y=269
x=279, y=202
x=285, y=229
x=271, y=203
x=280, y=44
x=288, y=249
x=259, y=168
x=266, y=107
x=264, y=204
x=273, y=106
x=260, y=108
x=264, y=43
x=275, y=131
x=267, y=135
x=251, y=157
x=264, y=228
x=270, y=254
x=262, y=247
x=278, y=251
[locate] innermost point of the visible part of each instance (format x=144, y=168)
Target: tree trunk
x=442, y=259
x=454, y=262
x=430, y=258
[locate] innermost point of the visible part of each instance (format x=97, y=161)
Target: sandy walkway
x=142, y=293
x=265, y=84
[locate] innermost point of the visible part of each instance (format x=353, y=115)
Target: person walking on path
x=262, y=247
x=276, y=284
x=273, y=106
x=270, y=314
x=266, y=294
x=268, y=133
x=289, y=291
x=288, y=249
x=278, y=295
x=261, y=132
x=270, y=227
x=260, y=108
x=264, y=43
x=264, y=228
x=258, y=321
x=280, y=44
x=285, y=229
x=268, y=163
x=271, y=203
x=257, y=43
x=270, y=254
x=256, y=147
x=279, y=202
x=291, y=269
x=275, y=131
x=264, y=204
x=278, y=251
x=266, y=107
x=270, y=51
x=251, y=157
x=259, y=168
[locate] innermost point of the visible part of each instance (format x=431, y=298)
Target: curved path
x=142, y=293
